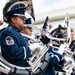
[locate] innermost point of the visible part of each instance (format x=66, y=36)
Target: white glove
x=34, y=46
x=62, y=49
x=48, y=35
x=69, y=59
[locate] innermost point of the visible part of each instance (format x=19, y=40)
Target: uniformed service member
x=28, y=37
x=55, y=55
x=27, y=30
x=14, y=48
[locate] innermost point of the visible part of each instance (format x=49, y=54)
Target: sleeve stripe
x=24, y=52
x=57, y=58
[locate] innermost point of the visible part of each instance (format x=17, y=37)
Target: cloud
x=42, y=6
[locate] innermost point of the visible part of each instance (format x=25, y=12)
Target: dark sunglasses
x=29, y=27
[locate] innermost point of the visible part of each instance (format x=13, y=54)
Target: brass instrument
x=35, y=60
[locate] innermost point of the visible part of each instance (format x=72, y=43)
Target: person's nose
x=31, y=30
x=24, y=21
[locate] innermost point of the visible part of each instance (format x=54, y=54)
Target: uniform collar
x=13, y=27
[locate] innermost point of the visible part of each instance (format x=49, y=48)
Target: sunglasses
x=29, y=27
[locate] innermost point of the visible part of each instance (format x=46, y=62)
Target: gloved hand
x=62, y=48
x=49, y=36
x=68, y=59
x=35, y=46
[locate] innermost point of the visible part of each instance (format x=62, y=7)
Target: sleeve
x=12, y=49
x=54, y=57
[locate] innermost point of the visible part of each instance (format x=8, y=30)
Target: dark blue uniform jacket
x=53, y=60
x=13, y=47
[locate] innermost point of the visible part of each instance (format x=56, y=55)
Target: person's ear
x=13, y=20
x=22, y=31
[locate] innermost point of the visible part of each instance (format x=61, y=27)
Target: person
x=55, y=58
x=55, y=54
x=1, y=22
x=27, y=29
x=13, y=47
x=72, y=35
x=54, y=63
x=72, y=44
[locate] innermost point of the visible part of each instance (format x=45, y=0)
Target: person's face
x=1, y=22
x=18, y=22
x=72, y=35
x=27, y=31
